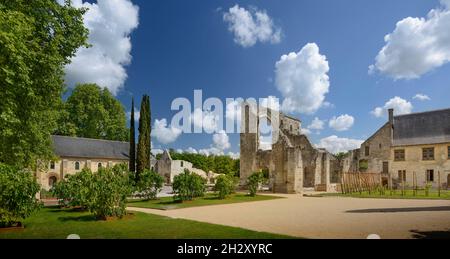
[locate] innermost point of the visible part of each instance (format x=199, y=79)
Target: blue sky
x=177, y=46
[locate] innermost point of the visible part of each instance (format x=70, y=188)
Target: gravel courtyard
x=328, y=217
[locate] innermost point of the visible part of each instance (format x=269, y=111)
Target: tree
x=75, y=190
x=95, y=113
x=144, y=140
x=187, y=186
x=225, y=185
x=254, y=181
x=37, y=39
x=150, y=184
x=132, y=140
x=18, y=190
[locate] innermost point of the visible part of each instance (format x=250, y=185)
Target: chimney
x=391, y=116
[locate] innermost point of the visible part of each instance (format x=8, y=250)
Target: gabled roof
x=90, y=148
x=432, y=127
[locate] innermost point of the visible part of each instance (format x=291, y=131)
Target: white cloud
x=163, y=133
x=234, y=155
x=110, y=23
x=305, y=131
x=137, y=115
x=416, y=46
x=251, y=26
x=400, y=106
x=334, y=144
x=211, y=151
x=206, y=120
x=316, y=124
x=302, y=79
x=342, y=123
x=422, y=97
x=221, y=140
x=191, y=150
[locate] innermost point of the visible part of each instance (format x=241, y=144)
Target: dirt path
x=330, y=217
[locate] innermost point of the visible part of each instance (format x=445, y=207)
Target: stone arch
x=52, y=180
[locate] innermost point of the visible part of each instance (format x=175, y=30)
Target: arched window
x=52, y=165
x=77, y=165
x=52, y=181
x=99, y=165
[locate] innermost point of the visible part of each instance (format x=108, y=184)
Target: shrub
x=103, y=193
x=225, y=185
x=254, y=181
x=150, y=184
x=187, y=186
x=111, y=188
x=18, y=190
x=75, y=190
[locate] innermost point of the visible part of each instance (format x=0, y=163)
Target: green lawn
x=55, y=223
x=409, y=194
x=167, y=203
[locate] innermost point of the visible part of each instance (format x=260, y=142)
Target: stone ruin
x=293, y=163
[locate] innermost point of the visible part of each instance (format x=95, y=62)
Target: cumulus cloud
x=302, y=79
x=163, y=133
x=251, y=26
x=342, y=123
x=316, y=124
x=416, y=46
x=422, y=97
x=221, y=140
x=234, y=155
x=334, y=144
x=400, y=106
x=191, y=150
x=110, y=23
x=137, y=115
x=206, y=120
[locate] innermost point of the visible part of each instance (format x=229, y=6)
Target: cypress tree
x=143, y=150
x=132, y=140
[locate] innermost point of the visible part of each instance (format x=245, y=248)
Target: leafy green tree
x=94, y=112
x=37, y=38
x=225, y=185
x=18, y=190
x=150, y=184
x=187, y=186
x=144, y=140
x=75, y=190
x=254, y=181
x=110, y=192
x=132, y=140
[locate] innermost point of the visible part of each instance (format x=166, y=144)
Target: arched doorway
x=52, y=180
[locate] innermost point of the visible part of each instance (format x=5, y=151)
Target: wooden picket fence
x=360, y=182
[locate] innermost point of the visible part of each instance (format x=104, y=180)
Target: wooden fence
x=360, y=182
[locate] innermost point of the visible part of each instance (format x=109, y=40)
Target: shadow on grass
x=84, y=218
x=431, y=234
x=394, y=210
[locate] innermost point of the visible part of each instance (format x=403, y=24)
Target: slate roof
x=431, y=127
x=90, y=148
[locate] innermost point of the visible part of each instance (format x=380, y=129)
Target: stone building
x=293, y=162
x=74, y=154
x=169, y=168
x=407, y=145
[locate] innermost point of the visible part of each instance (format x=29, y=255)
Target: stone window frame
x=77, y=165
x=428, y=153
x=399, y=155
x=402, y=175
x=367, y=150
x=429, y=175
x=52, y=165
x=99, y=165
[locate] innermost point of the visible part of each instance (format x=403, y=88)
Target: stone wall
x=66, y=166
x=379, y=146
x=414, y=163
